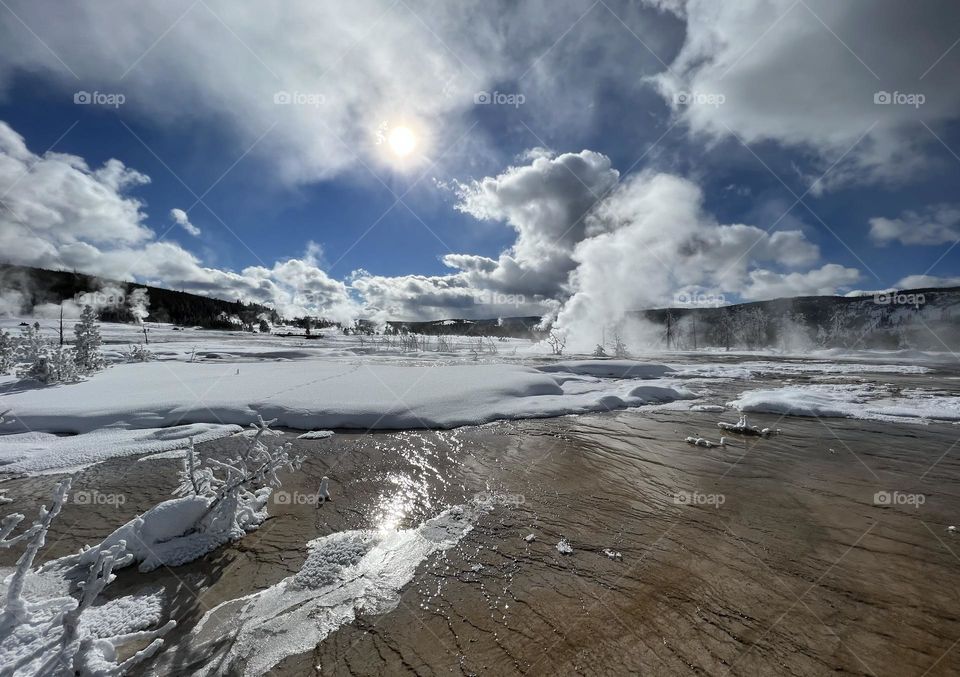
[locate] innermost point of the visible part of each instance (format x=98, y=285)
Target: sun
x=402, y=141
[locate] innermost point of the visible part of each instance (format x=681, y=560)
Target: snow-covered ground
x=203, y=383
x=873, y=402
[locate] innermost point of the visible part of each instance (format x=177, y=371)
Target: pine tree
x=87, y=347
x=8, y=347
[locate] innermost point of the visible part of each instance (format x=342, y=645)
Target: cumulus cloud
x=59, y=213
x=180, y=218
x=823, y=281
x=935, y=225
x=923, y=281
x=807, y=74
x=546, y=202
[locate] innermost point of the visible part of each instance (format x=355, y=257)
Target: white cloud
x=936, y=225
x=805, y=74
x=546, y=202
x=823, y=281
x=181, y=219
x=923, y=281
x=59, y=213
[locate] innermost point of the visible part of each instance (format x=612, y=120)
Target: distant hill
x=517, y=327
x=117, y=303
x=925, y=319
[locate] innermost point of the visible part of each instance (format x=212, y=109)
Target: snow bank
x=853, y=401
x=43, y=452
x=745, y=370
x=609, y=368
x=316, y=435
x=166, y=534
x=344, y=572
x=311, y=395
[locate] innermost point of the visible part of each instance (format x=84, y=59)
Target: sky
x=423, y=160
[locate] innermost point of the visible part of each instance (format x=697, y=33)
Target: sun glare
x=402, y=141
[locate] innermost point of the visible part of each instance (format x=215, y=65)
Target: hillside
x=32, y=287
x=926, y=319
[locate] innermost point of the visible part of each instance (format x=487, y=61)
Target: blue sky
x=593, y=183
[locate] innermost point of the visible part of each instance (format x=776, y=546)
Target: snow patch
x=344, y=573
x=880, y=403
x=36, y=452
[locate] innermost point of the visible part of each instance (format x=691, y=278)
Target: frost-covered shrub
x=219, y=501
x=557, y=340
x=46, y=637
x=49, y=364
x=87, y=352
x=619, y=347
x=139, y=353
x=8, y=350
x=31, y=345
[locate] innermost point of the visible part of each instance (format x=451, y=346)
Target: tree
x=557, y=340
x=87, y=352
x=40, y=361
x=8, y=350
x=619, y=347
x=264, y=326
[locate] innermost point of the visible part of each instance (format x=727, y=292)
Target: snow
x=704, y=442
x=38, y=452
x=316, y=435
x=563, y=547
x=609, y=368
x=746, y=370
x=743, y=427
x=129, y=613
x=320, y=394
x=880, y=403
x=344, y=573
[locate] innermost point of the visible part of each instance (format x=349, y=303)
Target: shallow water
x=770, y=556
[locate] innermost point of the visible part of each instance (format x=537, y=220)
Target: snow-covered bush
x=219, y=501
x=30, y=347
x=139, y=353
x=46, y=637
x=557, y=340
x=43, y=362
x=86, y=349
x=8, y=350
x=619, y=347
x=599, y=351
